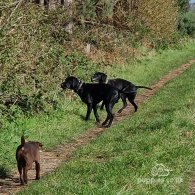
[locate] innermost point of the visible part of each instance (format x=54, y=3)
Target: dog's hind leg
x=25, y=169
x=123, y=97
x=133, y=103
x=20, y=172
x=109, y=116
x=104, y=123
x=95, y=113
x=37, y=167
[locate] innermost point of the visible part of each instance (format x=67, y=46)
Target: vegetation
x=38, y=52
x=186, y=20
x=160, y=17
x=66, y=123
x=183, y=6
x=123, y=159
x=187, y=24
x=136, y=40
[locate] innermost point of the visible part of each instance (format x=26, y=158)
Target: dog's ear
x=39, y=144
x=103, y=78
x=75, y=82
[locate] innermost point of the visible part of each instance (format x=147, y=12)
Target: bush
x=159, y=17
x=183, y=6
x=186, y=24
x=37, y=53
x=35, y=58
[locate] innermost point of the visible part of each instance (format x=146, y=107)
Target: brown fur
x=26, y=154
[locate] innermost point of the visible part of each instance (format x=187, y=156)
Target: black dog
x=92, y=94
x=123, y=85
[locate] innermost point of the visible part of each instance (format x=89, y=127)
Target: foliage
x=34, y=61
x=38, y=52
x=122, y=160
x=186, y=24
x=66, y=123
x=159, y=17
x=155, y=17
x=183, y=5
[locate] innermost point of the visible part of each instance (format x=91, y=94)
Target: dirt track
x=50, y=160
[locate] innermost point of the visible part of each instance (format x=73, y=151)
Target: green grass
x=121, y=160
x=66, y=124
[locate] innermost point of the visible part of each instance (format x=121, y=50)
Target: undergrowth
x=38, y=53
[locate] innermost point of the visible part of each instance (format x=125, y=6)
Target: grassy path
x=52, y=159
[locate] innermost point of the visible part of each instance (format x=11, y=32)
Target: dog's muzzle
x=93, y=80
x=63, y=86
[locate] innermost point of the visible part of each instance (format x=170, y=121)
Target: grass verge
x=67, y=123
x=125, y=159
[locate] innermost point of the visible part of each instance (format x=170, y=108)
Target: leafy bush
x=38, y=53
x=186, y=24
x=159, y=17
x=183, y=5
x=36, y=57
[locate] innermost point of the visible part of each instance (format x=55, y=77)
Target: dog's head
x=70, y=83
x=99, y=77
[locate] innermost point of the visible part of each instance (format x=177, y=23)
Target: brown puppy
x=26, y=154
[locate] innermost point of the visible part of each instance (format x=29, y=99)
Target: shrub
x=183, y=6
x=186, y=24
x=159, y=17
x=35, y=58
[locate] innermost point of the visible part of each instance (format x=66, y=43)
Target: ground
x=50, y=160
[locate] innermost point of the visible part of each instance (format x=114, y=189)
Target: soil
x=50, y=160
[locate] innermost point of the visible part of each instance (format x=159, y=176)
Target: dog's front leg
x=89, y=108
x=109, y=115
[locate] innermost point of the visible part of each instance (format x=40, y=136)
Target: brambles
x=38, y=52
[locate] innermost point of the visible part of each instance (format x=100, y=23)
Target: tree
x=183, y=5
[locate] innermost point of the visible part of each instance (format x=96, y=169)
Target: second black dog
x=127, y=89
x=92, y=94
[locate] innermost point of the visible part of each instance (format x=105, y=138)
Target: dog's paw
x=105, y=126
x=119, y=111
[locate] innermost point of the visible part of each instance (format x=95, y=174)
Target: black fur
x=92, y=94
x=127, y=89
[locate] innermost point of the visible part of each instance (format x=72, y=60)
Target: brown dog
x=26, y=154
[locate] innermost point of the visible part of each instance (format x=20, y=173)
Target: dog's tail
x=125, y=91
x=22, y=141
x=143, y=87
